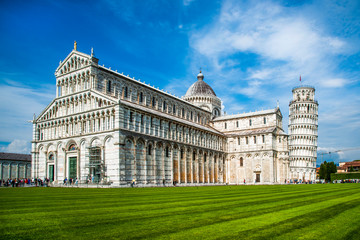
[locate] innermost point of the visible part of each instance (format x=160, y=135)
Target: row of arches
x=303, y=116
x=243, y=123
x=304, y=107
x=74, y=63
x=307, y=137
x=294, y=158
x=303, y=129
x=76, y=125
x=164, y=128
x=58, y=160
x=165, y=105
x=75, y=104
x=309, y=148
x=14, y=169
x=204, y=99
x=156, y=162
x=306, y=121
x=74, y=83
x=143, y=95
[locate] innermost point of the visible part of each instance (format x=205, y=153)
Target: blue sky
x=251, y=53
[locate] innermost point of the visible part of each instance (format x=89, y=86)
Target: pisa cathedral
x=109, y=128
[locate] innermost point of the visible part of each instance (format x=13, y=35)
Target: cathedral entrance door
x=258, y=177
x=51, y=173
x=72, y=167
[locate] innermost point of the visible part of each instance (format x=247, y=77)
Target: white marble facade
x=111, y=128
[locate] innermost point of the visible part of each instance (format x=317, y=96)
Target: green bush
x=342, y=176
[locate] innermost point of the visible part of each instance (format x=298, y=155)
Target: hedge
x=341, y=176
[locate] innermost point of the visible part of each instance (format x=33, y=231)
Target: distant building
x=346, y=166
x=15, y=165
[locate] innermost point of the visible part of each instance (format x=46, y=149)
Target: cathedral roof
x=250, y=114
x=15, y=157
x=200, y=88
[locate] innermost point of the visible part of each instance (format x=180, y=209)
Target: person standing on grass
x=164, y=182
x=133, y=182
x=244, y=181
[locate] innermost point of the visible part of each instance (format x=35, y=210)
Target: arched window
x=241, y=162
x=183, y=112
x=264, y=120
x=72, y=147
x=174, y=109
x=167, y=152
x=51, y=157
x=164, y=106
x=141, y=97
x=237, y=124
x=247, y=140
x=153, y=101
x=109, y=86
x=250, y=122
x=149, y=149
x=126, y=92
x=254, y=139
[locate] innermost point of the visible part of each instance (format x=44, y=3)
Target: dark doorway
x=51, y=173
x=258, y=177
x=72, y=167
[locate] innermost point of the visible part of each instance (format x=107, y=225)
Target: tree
x=331, y=168
x=322, y=171
x=351, y=169
x=326, y=169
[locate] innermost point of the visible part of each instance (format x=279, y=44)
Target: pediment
x=74, y=61
x=101, y=100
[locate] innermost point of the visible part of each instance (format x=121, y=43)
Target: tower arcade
x=303, y=133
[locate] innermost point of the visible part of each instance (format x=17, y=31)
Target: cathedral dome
x=200, y=88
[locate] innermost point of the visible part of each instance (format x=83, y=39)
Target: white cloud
x=282, y=43
x=17, y=146
x=18, y=103
x=187, y=2
x=334, y=83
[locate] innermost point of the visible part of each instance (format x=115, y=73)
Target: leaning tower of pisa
x=303, y=133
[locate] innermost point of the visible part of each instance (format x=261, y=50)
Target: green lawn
x=327, y=211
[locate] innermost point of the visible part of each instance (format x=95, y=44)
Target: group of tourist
x=347, y=181
x=70, y=181
x=24, y=182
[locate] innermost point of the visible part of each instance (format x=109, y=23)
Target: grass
x=329, y=211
